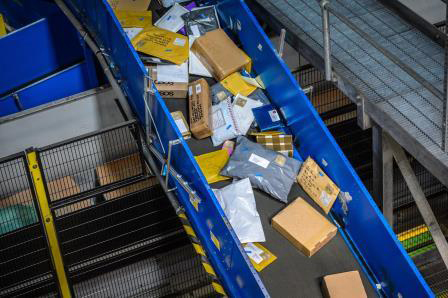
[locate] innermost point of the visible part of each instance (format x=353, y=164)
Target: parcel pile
x=191, y=59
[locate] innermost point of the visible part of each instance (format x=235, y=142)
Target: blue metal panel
x=100, y=20
x=364, y=223
x=20, y=13
x=230, y=262
x=36, y=50
x=68, y=82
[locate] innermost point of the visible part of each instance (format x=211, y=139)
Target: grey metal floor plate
x=386, y=85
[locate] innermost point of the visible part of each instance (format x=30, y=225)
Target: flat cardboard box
x=168, y=89
x=121, y=169
x=199, y=107
x=304, y=227
x=343, y=285
x=57, y=189
x=317, y=184
x=182, y=124
x=220, y=56
x=130, y=5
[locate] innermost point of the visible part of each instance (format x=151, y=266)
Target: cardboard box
x=199, y=106
x=219, y=54
x=131, y=5
x=317, y=184
x=58, y=189
x=168, y=89
x=121, y=169
x=343, y=285
x=304, y=227
x=181, y=124
x=279, y=143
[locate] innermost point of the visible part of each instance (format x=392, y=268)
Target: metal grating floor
x=380, y=80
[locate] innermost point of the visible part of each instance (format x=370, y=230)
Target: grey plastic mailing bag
x=270, y=171
x=238, y=202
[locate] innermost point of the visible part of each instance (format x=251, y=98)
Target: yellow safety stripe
x=189, y=231
x=218, y=288
x=412, y=232
x=50, y=228
x=208, y=268
x=2, y=26
x=200, y=251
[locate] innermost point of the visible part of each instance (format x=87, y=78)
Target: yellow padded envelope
x=236, y=84
x=138, y=19
x=212, y=163
x=163, y=44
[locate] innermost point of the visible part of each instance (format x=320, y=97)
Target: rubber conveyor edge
x=367, y=233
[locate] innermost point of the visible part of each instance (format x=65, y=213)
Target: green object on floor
x=16, y=217
x=417, y=240
x=422, y=250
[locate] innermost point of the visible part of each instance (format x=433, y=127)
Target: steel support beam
x=383, y=174
x=420, y=200
x=327, y=41
x=445, y=90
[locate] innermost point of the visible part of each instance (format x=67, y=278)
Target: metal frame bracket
x=166, y=167
x=364, y=120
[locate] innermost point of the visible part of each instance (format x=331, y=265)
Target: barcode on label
x=198, y=88
x=254, y=252
x=181, y=125
x=179, y=42
x=274, y=115
x=325, y=198
x=259, y=161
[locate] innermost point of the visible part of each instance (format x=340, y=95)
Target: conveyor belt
x=292, y=274
x=397, y=101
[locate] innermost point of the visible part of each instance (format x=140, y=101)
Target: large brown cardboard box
x=219, y=54
x=343, y=285
x=130, y=5
x=168, y=89
x=121, y=169
x=304, y=227
x=199, y=108
x=317, y=184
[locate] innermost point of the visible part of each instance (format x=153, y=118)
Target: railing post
x=327, y=42
x=445, y=90
x=49, y=225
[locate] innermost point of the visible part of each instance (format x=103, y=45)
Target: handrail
x=326, y=9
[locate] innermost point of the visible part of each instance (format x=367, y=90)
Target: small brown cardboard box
x=182, y=124
x=304, y=227
x=168, y=89
x=343, y=285
x=317, y=184
x=199, y=107
x=130, y=5
x=219, y=54
x=121, y=169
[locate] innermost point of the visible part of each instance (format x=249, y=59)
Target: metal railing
x=26, y=268
x=326, y=9
x=112, y=231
